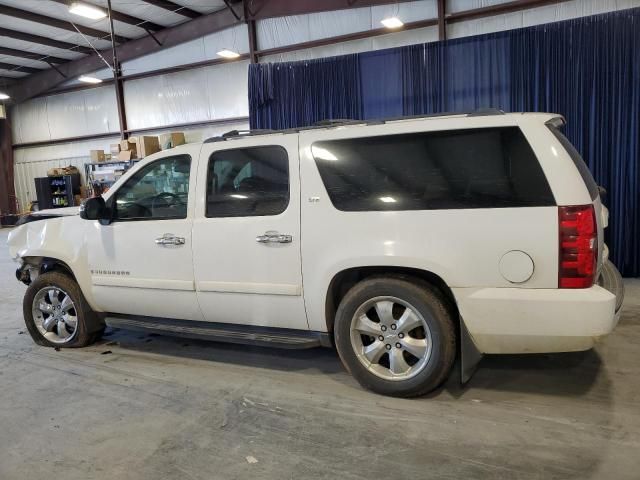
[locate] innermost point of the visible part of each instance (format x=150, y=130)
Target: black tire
x=89, y=326
x=433, y=308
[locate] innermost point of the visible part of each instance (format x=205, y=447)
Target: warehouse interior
x=90, y=88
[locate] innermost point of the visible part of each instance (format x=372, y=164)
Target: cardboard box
x=102, y=177
x=129, y=146
x=125, y=155
x=97, y=156
x=146, y=145
x=114, y=148
x=177, y=138
x=170, y=140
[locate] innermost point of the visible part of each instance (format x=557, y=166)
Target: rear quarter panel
x=563, y=176
x=463, y=246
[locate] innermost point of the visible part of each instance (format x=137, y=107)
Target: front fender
x=63, y=239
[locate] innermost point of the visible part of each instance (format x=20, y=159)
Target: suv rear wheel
x=57, y=314
x=395, y=336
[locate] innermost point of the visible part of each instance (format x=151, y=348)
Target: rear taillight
x=578, y=246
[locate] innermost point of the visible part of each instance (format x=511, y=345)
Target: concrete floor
x=148, y=407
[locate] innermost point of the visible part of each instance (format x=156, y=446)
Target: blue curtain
x=320, y=89
x=587, y=69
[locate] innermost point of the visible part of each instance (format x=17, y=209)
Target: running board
x=222, y=332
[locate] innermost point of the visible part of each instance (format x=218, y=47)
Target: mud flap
x=470, y=356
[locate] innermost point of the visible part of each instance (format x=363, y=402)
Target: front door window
x=158, y=191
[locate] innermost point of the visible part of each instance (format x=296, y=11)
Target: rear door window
x=245, y=182
x=479, y=168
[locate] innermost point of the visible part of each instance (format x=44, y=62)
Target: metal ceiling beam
x=12, y=52
x=230, y=7
x=258, y=9
x=121, y=17
x=95, y=136
x=169, y=37
x=7, y=188
x=346, y=38
x=174, y=7
x=442, y=26
x=56, y=22
x=18, y=68
x=498, y=9
x=29, y=37
x=251, y=31
x=117, y=71
x=150, y=73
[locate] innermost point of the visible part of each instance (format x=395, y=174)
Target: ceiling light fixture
x=88, y=11
x=87, y=79
x=4, y=96
x=388, y=199
x=226, y=53
x=392, y=22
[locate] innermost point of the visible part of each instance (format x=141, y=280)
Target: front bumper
x=520, y=320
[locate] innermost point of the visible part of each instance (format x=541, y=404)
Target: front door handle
x=274, y=237
x=170, y=239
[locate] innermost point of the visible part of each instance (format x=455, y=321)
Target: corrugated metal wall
x=32, y=162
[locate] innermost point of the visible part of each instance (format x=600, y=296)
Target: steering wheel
x=169, y=199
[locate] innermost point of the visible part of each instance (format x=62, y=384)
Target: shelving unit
x=58, y=191
x=101, y=176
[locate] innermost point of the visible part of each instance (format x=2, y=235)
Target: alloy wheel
x=391, y=338
x=55, y=315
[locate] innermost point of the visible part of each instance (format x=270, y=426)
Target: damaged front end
x=29, y=266
x=29, y=270
x=23, y=275
x=36, y=240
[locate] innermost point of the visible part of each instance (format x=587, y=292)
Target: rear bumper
x=518, y=320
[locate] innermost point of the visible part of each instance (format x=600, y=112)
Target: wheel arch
x=49, y=264
x=347, y=278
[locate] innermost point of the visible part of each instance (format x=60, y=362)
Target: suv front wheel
x=57, y=314
x=395, y=336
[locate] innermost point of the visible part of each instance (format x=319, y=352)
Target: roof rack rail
x=336, y=122
x=331, y=122
x=472, y=113
x=481, y=112
x=240, y=133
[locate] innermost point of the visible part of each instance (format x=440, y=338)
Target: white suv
x=402, y=242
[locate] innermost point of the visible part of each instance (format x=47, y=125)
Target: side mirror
x=94, y=208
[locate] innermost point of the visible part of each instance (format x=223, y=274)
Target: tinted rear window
x=585, y=173
x=480, y=168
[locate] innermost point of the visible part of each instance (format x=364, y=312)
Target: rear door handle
x=170, y=239
x=274, y=237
